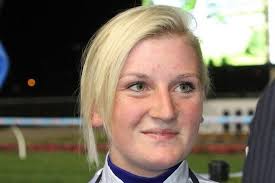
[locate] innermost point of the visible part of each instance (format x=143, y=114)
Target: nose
x=163, y=107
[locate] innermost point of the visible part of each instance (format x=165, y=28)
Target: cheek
x=191, y=114
x=127, y=111
x=195, y=110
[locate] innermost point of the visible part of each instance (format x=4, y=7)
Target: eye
x=137, y=86
x=185, y=87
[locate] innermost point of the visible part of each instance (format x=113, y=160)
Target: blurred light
x=4, y=64
x=31, y=82
x=184, y=4
x=271, y=28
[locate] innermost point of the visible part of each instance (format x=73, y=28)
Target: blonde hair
x=107, y=51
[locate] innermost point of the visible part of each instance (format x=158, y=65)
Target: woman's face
x=158, y=106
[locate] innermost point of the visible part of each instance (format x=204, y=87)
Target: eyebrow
x=187, y=75
x=144, y=76
x=139, y=75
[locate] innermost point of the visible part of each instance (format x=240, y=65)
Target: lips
x=160, y=134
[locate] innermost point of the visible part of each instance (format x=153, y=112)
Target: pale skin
x=158, y=106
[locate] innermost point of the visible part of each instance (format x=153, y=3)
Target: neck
x=128, y=177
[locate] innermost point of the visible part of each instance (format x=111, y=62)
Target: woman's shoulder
x=97, y=174
x=203, y=179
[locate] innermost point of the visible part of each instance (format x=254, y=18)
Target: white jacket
x=180, y=175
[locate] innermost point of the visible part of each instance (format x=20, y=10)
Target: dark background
x=45, y=40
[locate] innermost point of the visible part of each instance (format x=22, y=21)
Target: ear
x=96, y=120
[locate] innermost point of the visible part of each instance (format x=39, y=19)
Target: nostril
x=164, y=112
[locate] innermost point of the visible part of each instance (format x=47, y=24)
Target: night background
x=41, y=43
x=44, y=41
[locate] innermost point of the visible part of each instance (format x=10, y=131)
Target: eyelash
x=135, y=84
x=188, y=84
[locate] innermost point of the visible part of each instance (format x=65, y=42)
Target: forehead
x=173, y=51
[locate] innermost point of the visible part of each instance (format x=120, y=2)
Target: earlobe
x=96, y=120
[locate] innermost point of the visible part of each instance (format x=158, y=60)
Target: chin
x=165, y=161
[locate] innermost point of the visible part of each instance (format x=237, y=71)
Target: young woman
x=144, y=80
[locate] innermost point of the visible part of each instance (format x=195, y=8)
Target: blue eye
x=137, y=86
x=185, y=87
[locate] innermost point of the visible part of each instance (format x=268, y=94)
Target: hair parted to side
x=105, y=55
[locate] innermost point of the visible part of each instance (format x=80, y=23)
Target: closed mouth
x=161, y=134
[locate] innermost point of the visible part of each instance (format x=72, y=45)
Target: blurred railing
x=65, y=121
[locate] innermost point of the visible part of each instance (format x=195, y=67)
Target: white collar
x=181, y=174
